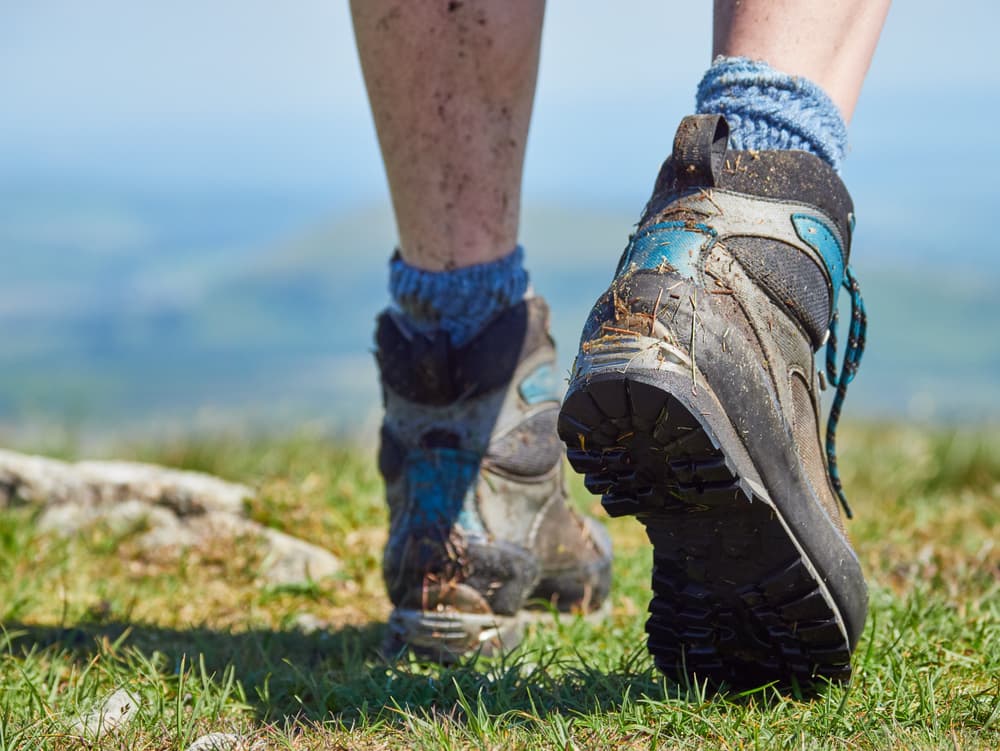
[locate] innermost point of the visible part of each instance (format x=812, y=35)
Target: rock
x=38, y=480
x=179, y=509
x=182, y=491
x=309, y=623
x=225, y=742
x=115, y=712
x=67, y=518
x=290, y=560
x=286, y=559
x=218, y=742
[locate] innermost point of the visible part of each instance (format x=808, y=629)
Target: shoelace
x=852, y=358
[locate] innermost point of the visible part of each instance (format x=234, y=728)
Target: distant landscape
x=148, y=312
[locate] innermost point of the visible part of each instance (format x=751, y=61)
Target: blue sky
x=250, y=92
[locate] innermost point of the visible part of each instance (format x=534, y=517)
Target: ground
x=202, y=647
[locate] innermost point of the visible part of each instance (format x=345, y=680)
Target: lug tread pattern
x=447, y=636
x=734, y=601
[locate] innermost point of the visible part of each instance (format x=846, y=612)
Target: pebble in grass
x=224, y=742
x=308, y=623
x=114, y=713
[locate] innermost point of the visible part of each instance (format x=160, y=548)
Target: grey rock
x=218, y=742
x=308, y=623
x=290, y=560
x=175, y=509
x=42, y=481
x=67, y=518
x=115, y=712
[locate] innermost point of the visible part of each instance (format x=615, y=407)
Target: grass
x=202, y=647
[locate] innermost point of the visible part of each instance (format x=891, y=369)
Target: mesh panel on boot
x=790, y=277
x=806, y=434
x=530, y=449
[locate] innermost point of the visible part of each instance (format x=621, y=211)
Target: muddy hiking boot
x=693, y=405
x=479, y=524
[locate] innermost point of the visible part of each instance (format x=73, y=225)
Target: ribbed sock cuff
x=767, y=109
x=462, y=301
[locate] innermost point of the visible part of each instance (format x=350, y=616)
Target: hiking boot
x=479, y=524
x=693, y=405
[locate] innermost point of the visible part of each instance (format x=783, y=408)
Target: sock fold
x=461, y=301
x=767, y=109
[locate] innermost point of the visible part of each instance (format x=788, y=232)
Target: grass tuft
x=204, y=648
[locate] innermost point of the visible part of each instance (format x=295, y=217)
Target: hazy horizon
x=178, y=185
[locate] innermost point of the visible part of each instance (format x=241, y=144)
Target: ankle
x=459, y=302
x=770, y=110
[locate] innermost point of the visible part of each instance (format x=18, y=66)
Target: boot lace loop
x=852, y=359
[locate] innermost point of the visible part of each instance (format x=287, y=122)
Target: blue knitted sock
x=462, y=301
x=767, y=109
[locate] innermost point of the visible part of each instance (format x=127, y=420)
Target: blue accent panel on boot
x=441, y=490
x=818, y=236
x=540, y=385
x=677, y=244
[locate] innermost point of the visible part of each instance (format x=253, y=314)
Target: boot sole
x=736, y=600
x=447, y=637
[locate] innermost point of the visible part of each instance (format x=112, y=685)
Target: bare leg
x=830, y=42
x=469, y=405
x=451, y=87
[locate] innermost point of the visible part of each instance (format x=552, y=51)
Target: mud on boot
x=479, y=524
x=693, y=405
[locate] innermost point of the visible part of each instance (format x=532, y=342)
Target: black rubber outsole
x=449, y=636
x=735, y=601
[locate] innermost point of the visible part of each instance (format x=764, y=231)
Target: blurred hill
x=184, y=310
